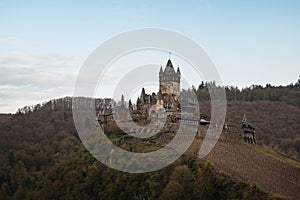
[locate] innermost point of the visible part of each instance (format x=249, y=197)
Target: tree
x=183, y=176
x=174, y=191
x=205, y=184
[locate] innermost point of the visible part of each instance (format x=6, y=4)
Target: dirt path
x=249, y=163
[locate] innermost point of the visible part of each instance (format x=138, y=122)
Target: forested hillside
x=42, y=158
x=4, y=117
x=273, y=111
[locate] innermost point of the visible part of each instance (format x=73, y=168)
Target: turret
x=143, y=95
x=130, y=105
x=178, y=71
x=122, y=100
x=161, y=71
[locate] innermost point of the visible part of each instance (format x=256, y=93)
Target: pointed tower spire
x=161, y=70
x=130, y=105
x=122, y=100
x=169, y=63
x=143, y=95
x=143, y=92
x=178, y=71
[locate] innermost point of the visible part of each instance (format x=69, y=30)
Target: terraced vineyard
x=270, y=170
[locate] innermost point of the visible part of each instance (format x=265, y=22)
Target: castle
x=166, y=99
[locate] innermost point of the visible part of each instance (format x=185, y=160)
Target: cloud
x=35, y=78
x=34, y=59
x=28, y=79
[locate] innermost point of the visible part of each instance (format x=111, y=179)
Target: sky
x=44, y=43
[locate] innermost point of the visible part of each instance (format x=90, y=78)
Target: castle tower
x=130, y=106
x=169, y=80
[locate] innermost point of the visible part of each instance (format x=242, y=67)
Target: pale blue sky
x=43, y=43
